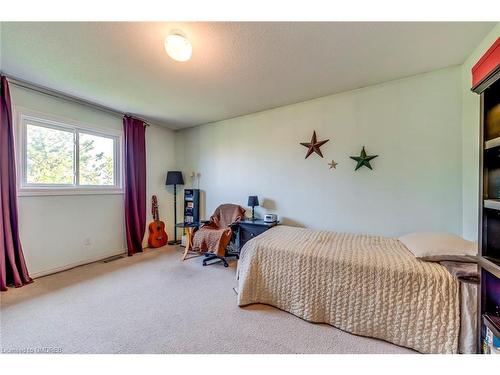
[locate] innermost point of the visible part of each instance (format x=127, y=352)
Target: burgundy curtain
x=135, y=183
x=13, y=268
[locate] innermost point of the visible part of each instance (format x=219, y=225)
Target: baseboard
x=76, y=264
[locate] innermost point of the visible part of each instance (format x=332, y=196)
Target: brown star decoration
x=333, y=164
x=314, y=145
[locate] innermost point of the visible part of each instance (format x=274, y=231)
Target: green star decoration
x=363, y=159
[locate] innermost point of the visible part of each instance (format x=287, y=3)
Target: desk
x=245, y=231
x=248, y=229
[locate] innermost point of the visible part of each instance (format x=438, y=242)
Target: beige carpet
x=154, y=303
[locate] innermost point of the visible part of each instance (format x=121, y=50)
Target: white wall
x=424, y=179
x=470, y=143
x=414, y=124
x=56, y=230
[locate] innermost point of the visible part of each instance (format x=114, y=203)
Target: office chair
x=214, y=235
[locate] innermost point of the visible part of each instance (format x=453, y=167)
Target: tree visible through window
x=49, y=156
x=59, y=156
x=96, y=160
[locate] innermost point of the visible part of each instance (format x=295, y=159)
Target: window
x=49, y=155
x=96, y=160
x=60, y=157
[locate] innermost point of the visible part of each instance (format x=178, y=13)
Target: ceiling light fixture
x=178, y=47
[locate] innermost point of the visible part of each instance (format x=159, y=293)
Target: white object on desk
x=270, y=218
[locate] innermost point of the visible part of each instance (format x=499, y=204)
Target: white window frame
x=23, y=117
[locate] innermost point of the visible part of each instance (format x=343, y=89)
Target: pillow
x=437, y=247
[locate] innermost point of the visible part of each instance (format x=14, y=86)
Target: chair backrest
x=226, y=214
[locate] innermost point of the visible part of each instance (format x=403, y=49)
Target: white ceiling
x=237, y=68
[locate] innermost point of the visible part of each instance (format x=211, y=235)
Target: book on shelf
x=491, y=342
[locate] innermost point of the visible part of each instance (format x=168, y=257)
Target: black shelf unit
x=191, y=206
x=489, y=208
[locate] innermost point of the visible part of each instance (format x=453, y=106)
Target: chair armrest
x=233, y=226
x=204, y=223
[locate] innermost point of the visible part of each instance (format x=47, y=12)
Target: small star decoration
x=333, y=164
x=314, y=145
x=363, y=159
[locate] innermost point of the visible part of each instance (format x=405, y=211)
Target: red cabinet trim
x=489, y=62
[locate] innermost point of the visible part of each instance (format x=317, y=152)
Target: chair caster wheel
x=226, y=265
x=204, y=264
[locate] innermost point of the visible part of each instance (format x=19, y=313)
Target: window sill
x=36, y=192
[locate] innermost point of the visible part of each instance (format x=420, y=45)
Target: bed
x=367, y=285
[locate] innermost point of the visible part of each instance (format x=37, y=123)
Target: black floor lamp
x=174, y=178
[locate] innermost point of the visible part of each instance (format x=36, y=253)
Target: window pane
x=96, y=160
x=49, y=155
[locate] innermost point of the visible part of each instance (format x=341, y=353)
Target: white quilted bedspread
x=367, y=285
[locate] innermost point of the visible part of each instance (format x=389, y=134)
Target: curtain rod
x=60, y=95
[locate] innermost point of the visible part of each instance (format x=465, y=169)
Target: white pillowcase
x=436, y=247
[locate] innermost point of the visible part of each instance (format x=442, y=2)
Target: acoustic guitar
x=157, y=235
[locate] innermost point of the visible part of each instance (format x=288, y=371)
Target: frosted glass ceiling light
x=178, y=47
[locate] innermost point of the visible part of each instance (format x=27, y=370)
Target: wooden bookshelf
x=486, y=79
